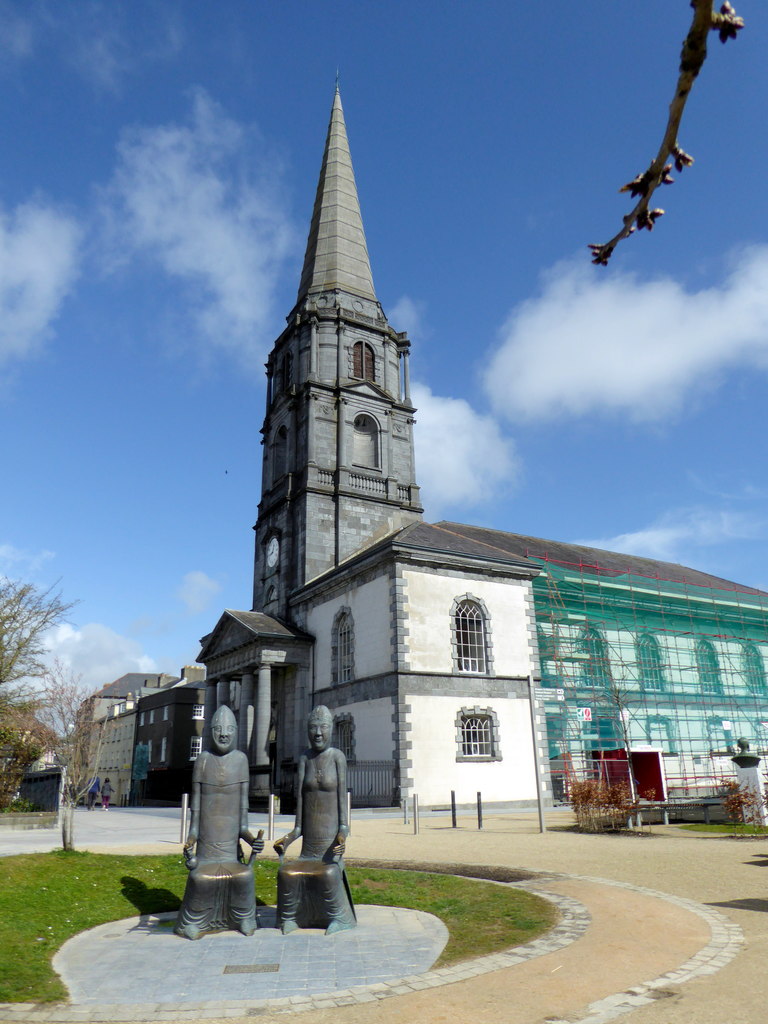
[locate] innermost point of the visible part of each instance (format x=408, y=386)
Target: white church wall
x=373, y=728
x=428, y=601
x=369, y=606
x=435, y=771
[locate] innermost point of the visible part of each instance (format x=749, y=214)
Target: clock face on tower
x=273, y=552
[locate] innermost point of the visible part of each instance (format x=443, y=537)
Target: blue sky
x=156, y=182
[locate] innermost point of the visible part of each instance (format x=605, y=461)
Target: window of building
x=470, y=628
x=141, y=718
x=752, y=668
x=280, y=454
x=287, y=370
x=365, y=442
x=649, y=667
x=195, y=746
x=477, y=735
x=343, y=647
x=165, y=712
x=660, y=732
x=151, y=716
x=163, y=747
x=149, y=751
x=198, y=711
x=709, y=666
x=596, y=666
x=344, y=726
x=363, y=362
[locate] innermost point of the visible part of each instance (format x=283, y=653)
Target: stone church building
x=419, y=640
x=424, y=640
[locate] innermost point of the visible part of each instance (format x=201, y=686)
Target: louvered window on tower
x=470, y=637
x=365, y=442
x=363, y=363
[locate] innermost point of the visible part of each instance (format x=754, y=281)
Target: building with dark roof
x=452, y=657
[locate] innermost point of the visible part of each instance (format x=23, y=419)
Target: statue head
x=743, y=744
x=224, y=730
x=320, y=728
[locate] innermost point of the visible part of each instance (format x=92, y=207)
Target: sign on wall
x=584, y=714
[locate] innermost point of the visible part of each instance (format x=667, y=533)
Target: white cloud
x=197, y=590
x=592, y=342
x=96, y=653
x=13, y=560
x=408, y=315
x=463, y=459
x=680, y=530
x=16, y=32
x=39, y=253
x=186, y=197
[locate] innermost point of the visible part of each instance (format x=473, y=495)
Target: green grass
x=727, y=828
x=46, y=898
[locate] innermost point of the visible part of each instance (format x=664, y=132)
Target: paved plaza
x=666, y=925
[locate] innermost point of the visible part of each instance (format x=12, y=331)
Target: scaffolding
x=670, y=670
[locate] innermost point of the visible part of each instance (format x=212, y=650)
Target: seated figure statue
x=312, y=891
x=220, y=891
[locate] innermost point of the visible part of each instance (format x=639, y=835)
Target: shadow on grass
x=148, y=900
x=760, y=906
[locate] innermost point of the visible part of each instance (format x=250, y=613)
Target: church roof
x=337, y=254
x=590, y=561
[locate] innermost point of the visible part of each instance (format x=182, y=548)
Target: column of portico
x=260, y=741
x=223, y=692
x=246, y=701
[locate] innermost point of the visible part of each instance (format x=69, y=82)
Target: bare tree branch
x=26, y=614
x=76, y=738
x=705, y=20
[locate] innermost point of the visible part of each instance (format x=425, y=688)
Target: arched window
x=477, y=735
x=708, y=665
x=363, y=362
x=649, y=669
x=470, y=635
x=343, y=647
x=280, y=454
x=752, y=668
x=365, y=441
x=596, y=667
x=660, y=732
x=287, y=370
x=344, y=726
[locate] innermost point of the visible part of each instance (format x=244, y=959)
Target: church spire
x=337, y=255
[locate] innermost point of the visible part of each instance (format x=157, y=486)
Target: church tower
x=338, y=463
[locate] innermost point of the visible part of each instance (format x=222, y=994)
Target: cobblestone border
x=725, y=942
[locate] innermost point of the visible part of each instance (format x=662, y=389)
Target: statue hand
x=257, y=842
x=339, y=845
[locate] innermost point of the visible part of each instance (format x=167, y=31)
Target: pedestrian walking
x=106, y=793
x=93, y=792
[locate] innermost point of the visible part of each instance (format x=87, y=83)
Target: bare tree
x=26, y=614
x=76, y=739
x=705, y=20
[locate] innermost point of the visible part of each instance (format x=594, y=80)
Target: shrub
x=600, y=806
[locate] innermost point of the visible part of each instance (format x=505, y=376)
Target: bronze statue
x=220, y=891
x=313, y=892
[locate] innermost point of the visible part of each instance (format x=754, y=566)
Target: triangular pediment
x=235, y=629
x=369, y=389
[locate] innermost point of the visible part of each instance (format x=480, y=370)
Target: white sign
x=546, y=693
x=584, y=714
x=727, y=725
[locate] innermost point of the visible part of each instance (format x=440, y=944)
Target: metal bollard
x=479, y=810
x=405, y=810
x=415, y=814
x=271, y=818
x=349, y=810
x=184, y=822
x=453, y=808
